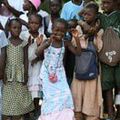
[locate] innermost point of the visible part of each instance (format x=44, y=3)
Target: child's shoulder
x=3, y=39
x=24, y=43
x=1, y=31
x=113, y=13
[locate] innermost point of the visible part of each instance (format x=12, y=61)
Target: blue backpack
x=86, y=64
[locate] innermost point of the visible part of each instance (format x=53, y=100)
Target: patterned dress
x=16, y=98
x=57, y=101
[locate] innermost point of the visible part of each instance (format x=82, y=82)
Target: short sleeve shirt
x=71, y=10
x=3, y=40
x=111, y=20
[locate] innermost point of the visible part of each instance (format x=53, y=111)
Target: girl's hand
x=34, y=61
x=84, y=25
x=75, y=33
x=39, y=40
x=97, y=25
x=53, y=37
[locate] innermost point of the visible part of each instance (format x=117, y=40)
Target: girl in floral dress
x=57, y=98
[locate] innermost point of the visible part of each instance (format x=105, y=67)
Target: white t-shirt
x=18, y=5
x=71, y=10
x=25, y=35
x=3, y=40
x=3, y=20
x=25, y=18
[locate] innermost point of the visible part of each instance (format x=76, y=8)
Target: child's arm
x=25, y=64
x=45, y=44
x=1, y=27
x=3, y=64
x=98, y=40
x=90, y=30
x=11, y=9
x=76, y=50
x=39, y=41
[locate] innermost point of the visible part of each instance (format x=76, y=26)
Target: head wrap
x=36, y=3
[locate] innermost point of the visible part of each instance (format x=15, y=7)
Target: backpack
x=86, y=64
x=110, y=53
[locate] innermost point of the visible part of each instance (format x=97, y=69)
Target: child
x=69, y=59
x=87, y=90
x=57, y=99
x=110, y=75
x=3, y=44
x=17, y=100
x=35, y=22
x=71, y=8
x=55, y=7
x=30, y=7
x=70, y=11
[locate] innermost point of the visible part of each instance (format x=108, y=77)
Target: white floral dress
x=57, y=100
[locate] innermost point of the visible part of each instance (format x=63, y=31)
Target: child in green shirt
x=110, y=75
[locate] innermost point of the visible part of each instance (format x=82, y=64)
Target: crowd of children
x=50, y=63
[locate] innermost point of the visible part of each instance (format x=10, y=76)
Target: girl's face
x=107, y=5
x=26, y=5
x=59, y=31
x=34, y=23
x=15, y=28
x=55, y=7
x=89, y=15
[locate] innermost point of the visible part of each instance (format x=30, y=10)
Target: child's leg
x=36, y=103
x=117, y=97
x=109, y=102
x=77, y=97
x=117, y=103
x=37, y=107
x=6, y=117
x=78, y=115
x=108, y=83
x=17, y=118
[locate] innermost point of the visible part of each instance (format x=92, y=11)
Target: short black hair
x=14, y=20
x=92, y=5
x=59, y=1
x=61, y=20
x=36, y=15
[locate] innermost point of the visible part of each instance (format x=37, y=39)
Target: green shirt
x=111, y=20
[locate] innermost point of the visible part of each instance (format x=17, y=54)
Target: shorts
x=110, y=76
